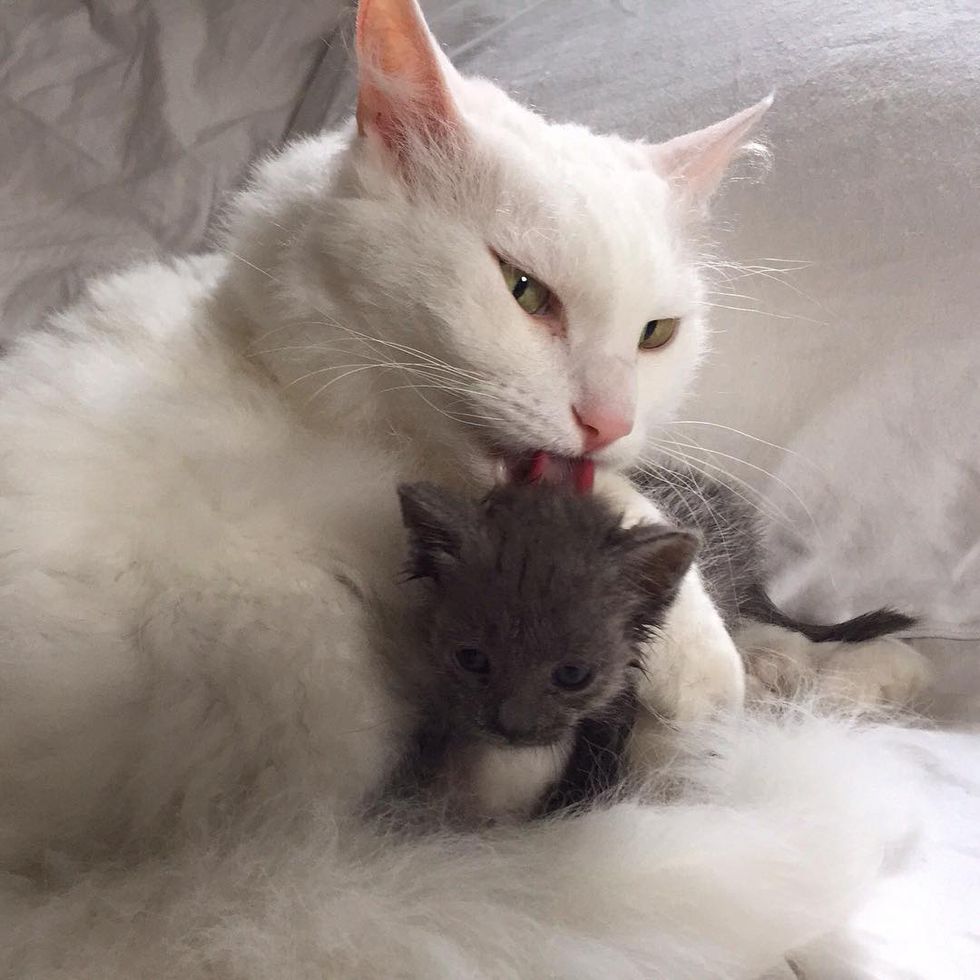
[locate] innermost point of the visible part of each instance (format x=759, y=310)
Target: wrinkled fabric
x=124, y=122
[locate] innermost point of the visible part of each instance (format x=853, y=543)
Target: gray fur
x=731, y=561
x=534, y=578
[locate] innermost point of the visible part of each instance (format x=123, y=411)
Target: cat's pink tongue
x=542, y=467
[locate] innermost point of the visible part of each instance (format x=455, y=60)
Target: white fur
x=508, y=782
x=693, y=669
x=199, y=548
x=780, y=836
x=198, y=509
x=884, y=673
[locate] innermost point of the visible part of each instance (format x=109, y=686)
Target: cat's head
x=539, y=602
x=495, y=282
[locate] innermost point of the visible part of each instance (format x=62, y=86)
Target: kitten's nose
x=600, y=425
x=516, y=718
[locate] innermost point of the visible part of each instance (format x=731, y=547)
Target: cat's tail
x=779, y=836
x=757, y=605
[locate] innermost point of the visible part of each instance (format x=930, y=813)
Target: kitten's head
x=540, y=600
x=531, y=282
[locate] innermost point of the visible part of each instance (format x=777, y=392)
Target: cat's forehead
x=590, y=216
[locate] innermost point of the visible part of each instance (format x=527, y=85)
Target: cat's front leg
x=692, y=668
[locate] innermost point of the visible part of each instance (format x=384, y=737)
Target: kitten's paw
x=879, y=673
x=777, y=661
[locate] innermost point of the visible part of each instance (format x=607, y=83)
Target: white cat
x=199, y=521
x=199, y=533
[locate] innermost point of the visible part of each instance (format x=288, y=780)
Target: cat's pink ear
x=696, y=162
x=404, y=95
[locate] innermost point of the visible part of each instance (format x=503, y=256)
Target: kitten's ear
x=696, y=162
x=437, y=522
x=404, y=94
x=657, y=558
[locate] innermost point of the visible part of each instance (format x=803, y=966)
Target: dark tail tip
x=867, y=626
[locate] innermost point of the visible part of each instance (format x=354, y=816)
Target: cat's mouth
x=575, y=472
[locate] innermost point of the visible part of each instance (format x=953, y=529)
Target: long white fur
x=199, y=546
x=781, y=834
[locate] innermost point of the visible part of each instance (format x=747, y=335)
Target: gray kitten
x=538, y=604
x=529, y=637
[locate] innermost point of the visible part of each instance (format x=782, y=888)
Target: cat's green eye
x=531, y=296
x=656, y=333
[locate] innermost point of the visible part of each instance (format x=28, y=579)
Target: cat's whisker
x=332, y=321
x=747, y=309
x=769, y=510
x=694, y=445
x=403, y=348
x=421, y=370
x=434, y=361
x=752, y=496
x=775, y=265
x=428, y=401
x=726, y=294
x=667, y=476
x=756, y=439
x=448, y=412
x=733, y=272
x=769, y=313
x=347, y=374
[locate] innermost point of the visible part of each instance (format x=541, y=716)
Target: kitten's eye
x=532, y=297
x=473, y=661
x=656, y=333
x=572, y=677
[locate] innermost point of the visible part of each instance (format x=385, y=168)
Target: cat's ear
x=657, y=558
x=404, y=94
x=437, y=521
x=696, y=162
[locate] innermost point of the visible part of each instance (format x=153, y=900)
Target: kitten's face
x=539, y=603
x=511, y=674
x=530, y=281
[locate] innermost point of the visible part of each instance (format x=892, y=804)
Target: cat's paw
x=620, y=492
x=692, y=674
x=777, y=661
x=693, y=669
x=712, y=680
x=879, y=673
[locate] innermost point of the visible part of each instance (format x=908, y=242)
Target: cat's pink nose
x=600, y=426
